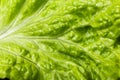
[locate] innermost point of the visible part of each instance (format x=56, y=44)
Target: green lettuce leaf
x=60, y=39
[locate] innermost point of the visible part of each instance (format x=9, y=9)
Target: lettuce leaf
x=60, y=39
